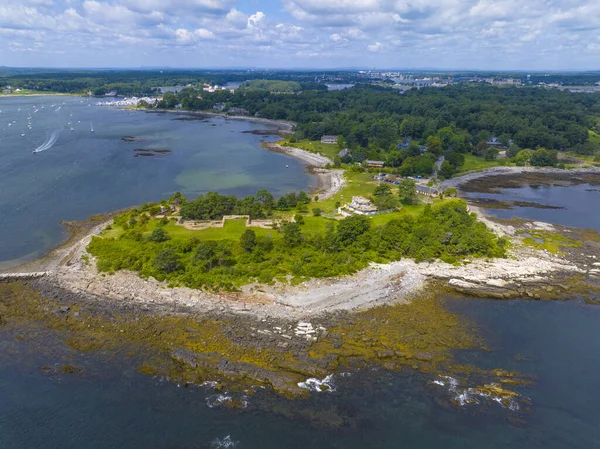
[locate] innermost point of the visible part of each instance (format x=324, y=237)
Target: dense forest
x=454, y=120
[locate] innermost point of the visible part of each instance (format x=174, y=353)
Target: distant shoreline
x=284, y=127
x=56, y=94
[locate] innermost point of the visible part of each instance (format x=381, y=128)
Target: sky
x=403, y=34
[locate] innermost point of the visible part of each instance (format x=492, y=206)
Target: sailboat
x=92, y=125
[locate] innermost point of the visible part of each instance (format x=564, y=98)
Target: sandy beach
x=329, y=181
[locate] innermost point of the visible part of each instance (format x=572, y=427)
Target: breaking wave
x=314, y=384
x=473, y=396
x=225, y=442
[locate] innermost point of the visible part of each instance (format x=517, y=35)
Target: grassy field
x=479, y=163
x=314, y=146
x=594, y=136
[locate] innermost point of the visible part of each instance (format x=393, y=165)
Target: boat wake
x=49, y=143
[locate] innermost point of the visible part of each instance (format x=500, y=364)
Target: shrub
x=158, y=235
x=167, y=261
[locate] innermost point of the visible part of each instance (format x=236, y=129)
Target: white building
x=359, y=205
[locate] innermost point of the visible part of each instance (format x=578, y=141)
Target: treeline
x=124, y=82
x=144, y=82
x=372, y=120
x=444, y=231
x=278, y=86
x=214, y=206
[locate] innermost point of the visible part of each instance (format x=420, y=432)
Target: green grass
x=479, y=163
x=232, y=230
x=594, y=136
x=314, y=146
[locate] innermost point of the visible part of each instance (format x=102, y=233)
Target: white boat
x=92, y=126
x=72, y=129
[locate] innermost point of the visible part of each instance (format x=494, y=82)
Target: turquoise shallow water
x=80, y=173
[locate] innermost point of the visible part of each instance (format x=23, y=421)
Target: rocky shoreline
x=495, y=172
x=527, y=272
x=290, y=338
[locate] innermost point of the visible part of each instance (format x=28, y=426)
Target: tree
x=512, y=150
x=491, y=154
x=266, y=200
x=299, y=219
x=292, y=235
x=350, y=228
x=544, y=158
x=282, y=203
x=248, y=240
x=407, y=190
x=383, y=198
x=455, y=159
x=158, y=235
x=303, y=197
x=446, y=170
x=523, y=157
x=316, y=212
x=481, y=148
x=166, y=260
x=434, y=145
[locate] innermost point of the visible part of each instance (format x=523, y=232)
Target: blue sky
x=446, y=34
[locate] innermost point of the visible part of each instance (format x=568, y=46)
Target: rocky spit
x=527, y=272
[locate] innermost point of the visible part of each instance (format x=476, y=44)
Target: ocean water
x=578, y=204
x=75, y=174
x=110, y=405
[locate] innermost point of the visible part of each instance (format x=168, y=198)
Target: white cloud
x=374, y=48
x=203, y=33
x=256, y=20
x=402, y=33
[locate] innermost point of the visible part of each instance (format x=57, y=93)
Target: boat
x=72, y=129
x=92, y=126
